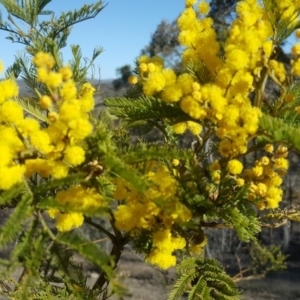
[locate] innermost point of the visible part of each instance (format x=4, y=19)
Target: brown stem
x=102, y=280
x=100, y=228
x=118, y=245
x=261, y=87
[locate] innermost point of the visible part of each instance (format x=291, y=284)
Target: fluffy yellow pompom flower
x=74, y=155
x=163, y=246
x=1, y=66
x=41, y=141
x=78, y=198
x=54, y=80
x=203, y=7
x=80, y=129
x=133, y=80
x=6, y=155
x=180, y=128
x=194, y=127
x=28, y=126
x=171, y=93
x=9, y=89
x=45, y=102
x=42, y=75
x=237, y=59
x=269, y=148
x=10, y=176
x=155, y=83
x=66, y=73
x=68, y=90
x=11, y=112
x=240, y=182
x=43, y=59
x=68, y=221
x=59, y=169
x=175, y=162
x=235, y=167
x=296, y=49
x=189, y=3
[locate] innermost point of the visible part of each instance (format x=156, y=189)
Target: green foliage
x=244, y=220
x=203, y=279
x=10, y=230
x=266, y=259
x=276, y=130
x=141, y=108
x=32, y=109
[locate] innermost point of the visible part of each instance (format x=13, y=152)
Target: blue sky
x=123, y=28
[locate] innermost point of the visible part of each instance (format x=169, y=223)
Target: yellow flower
x=133, y=80
x=45, y=102
x=237, y=59
x=10, y=176
x=66, y=73
x=54, y=80
x=240, y=182
x=296, y=49
x=41, y=140
x=43, y=59
x=11, y=112
x=1, y=66
x=27, y=126
x=171, y=93
x=189, y=3
x=59, y=169
x=68, y=90
x=74, y=155
x=281, y=163
x=269, y=148
x=9, y=89
x=179, y=128
x=69, y=221
x=235, y=167
x=175, y=162
x=194, y=127
x=203, y=7
x=6, y=155
x=155, y=83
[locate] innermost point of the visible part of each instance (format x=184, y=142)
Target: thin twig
x=100, y=228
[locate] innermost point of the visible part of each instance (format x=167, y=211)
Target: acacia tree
x=59, y=163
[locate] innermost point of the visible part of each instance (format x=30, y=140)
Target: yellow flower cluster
x=164, y=244
x=50, y=149
x=157, y=207
x=225, y=101
x=76, y=201
x=265, y=178
x=27, y=147
x=11, y=114
x=235, y=70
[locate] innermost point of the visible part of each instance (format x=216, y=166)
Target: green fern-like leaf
x=32, y=109
x=88, y=250
x=243, y=219
x=204, y=279
x=13, y=226
x=276, y=130
x=182, y=284
x=141, y=108
x=147, y=152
